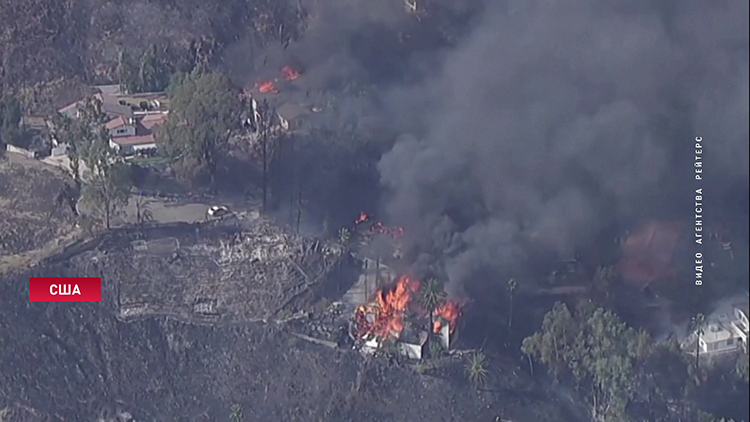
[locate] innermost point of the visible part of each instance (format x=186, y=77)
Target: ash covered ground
x=503, y=136
x=84, y=361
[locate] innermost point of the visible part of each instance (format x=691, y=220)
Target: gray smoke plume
x=555, y=118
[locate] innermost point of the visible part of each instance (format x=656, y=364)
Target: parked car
x=217, y=211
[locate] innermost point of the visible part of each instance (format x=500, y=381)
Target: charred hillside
x=82, y=361
x=81, y=39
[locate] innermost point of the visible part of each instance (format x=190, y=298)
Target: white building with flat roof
x=726, y=329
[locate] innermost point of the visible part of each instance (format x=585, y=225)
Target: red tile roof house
x=129, y=136
x=648, y=253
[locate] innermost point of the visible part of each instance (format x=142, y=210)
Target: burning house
x=394, y=317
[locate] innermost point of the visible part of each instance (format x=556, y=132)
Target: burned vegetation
x=29, y=215
x=258, y=273
x=223, y=328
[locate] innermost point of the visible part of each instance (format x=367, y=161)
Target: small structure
x=720, y=337
x=446, y=337
x=113, y=89
x=205, y=306
x=412, y=344
x=726, y=330
x=129, y=145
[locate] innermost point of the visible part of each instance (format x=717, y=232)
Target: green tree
x=70, y=132
x=152, y=74
x=431, y=296
x=742, y=366
x=594, y=349
x=556, y=337
x=205, y=112
x=10, y=118
x=698, y=326
x=125, y=72
x=107, y=187
x=512, y=285
x=476, y=369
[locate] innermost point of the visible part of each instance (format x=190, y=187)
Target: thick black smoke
x=554, y=119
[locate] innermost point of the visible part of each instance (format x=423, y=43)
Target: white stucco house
x=726, y=329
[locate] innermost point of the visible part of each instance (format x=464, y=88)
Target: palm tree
x=344, y=237
x=476, y=369
x=122, y=70
x=431, y=296
x=235, y=413
x=603, y=279
x=512, y=285
x=143, y=212
x=698, y=325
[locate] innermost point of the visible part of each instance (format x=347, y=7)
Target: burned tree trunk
x=377, y=271
x=367, y=271
x=264, y=153
x=299, y=208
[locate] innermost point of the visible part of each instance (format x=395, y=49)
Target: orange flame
x=387, y=313
x=380, y=228
x=267, y=86
x=362, y=218
x=289, y=73
x=446, y=313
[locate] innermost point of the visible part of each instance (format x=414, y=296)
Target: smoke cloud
x=554, y=119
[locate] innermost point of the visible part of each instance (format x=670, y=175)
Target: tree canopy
x=204, y=113
x=10, y=117
x=623, y=373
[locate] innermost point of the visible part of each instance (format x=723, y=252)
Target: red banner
x=65, y=289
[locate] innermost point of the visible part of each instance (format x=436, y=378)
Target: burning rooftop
x=393, y=315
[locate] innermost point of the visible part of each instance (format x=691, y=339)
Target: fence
x=21, y=151
x=146, y=232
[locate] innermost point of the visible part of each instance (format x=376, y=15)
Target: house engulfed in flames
x=393, y=316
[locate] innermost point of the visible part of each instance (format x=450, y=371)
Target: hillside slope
x=74, y=362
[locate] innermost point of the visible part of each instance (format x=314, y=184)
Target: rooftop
x=135, y=140
x=34, y=122
x=109, y=89
x=648, y=252
x=111, y=106
x=716, y=332
x=116, y=122
x=150, y=121
x=70, y=107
